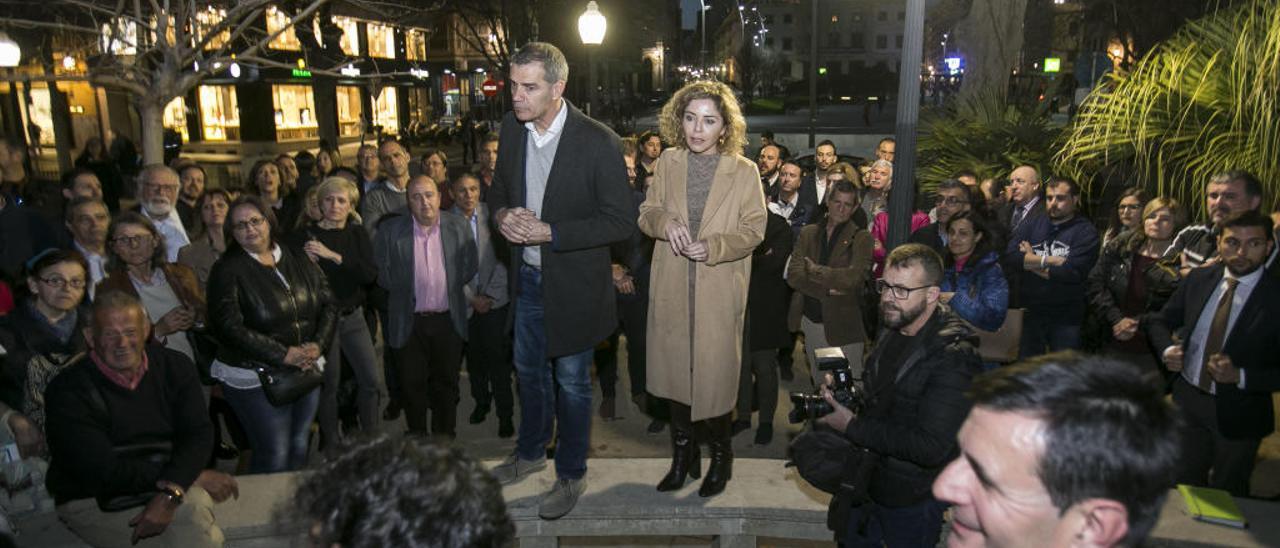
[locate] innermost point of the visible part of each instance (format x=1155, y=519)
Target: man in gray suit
x=425, y=260
x=488, y=347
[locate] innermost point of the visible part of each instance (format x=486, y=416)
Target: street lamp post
x=10, y=58
x=591, y=27
x=902, y=193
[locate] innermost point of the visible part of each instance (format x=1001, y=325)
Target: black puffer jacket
x=912, y=423
x=257, y=318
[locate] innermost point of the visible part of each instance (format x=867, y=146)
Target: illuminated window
x=382, y=41
x=419, y=105
x=278, y=21
x=295, y=113
x=170, y=31
x=415, y=45
x=349, y=111
x=206, y=21
x=219, y=113
x=386, y=111
x=350, y=34
x=175, y=118
x=122, y=40
x=40, y=114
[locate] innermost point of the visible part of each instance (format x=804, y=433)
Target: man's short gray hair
x=555, y=68
x=882, y=163
x=152, y=171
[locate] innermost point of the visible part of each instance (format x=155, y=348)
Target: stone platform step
x=764, y=502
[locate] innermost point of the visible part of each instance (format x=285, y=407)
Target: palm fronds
x=1205, y=101
x=986, y=135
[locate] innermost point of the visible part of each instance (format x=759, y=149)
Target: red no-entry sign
x=489, y=87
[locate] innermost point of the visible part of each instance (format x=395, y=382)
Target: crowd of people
x=134, y=336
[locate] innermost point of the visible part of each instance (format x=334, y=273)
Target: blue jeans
x=278, y=435
x=872, y=525
x=540, y=404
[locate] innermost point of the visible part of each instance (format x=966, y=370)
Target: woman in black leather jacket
x=268, y=305
x=1132, y=281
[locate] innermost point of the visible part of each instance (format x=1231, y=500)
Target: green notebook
x=1212, y=505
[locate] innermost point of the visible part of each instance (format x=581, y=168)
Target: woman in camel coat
x=706, y=206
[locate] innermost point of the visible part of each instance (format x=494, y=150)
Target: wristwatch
x=171, y=490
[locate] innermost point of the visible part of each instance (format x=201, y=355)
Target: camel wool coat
x=701, y=371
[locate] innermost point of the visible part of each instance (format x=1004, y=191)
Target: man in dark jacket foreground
x=914, y=383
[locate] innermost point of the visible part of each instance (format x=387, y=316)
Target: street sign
x=489, y=87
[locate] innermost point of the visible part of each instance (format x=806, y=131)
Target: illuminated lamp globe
x=10, y=53
x=592, y=25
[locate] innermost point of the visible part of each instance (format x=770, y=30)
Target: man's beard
x=158, y=207
x=903, y=316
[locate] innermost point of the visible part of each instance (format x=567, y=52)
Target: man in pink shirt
x=425, y=259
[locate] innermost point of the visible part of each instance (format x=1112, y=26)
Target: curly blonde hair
x=734, y=139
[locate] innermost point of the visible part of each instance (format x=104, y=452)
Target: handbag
x=1003, y=344
x=284, y=385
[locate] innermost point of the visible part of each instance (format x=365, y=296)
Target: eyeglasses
x=54, y=281
x=132, y=241
x=255, y=222
x=899, y=292
x=1128, y=207
x=950, y=201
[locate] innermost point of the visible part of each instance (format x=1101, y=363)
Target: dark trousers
x=1044, y=332
x=1208, y=458
x=429, y=365
x=390, y=370
x=758, y=383
x=633, y=314
x=489, y=366
x=872, y=525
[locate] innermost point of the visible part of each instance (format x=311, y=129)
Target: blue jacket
x=1064, y=292
x=981, y=292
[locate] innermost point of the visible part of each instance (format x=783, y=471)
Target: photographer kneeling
x=915, y=382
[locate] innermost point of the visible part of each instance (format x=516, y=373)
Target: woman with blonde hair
x=706, y=203
x=343, y=250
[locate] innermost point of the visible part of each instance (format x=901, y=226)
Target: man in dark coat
x=560, y=197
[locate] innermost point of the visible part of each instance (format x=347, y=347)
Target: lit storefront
x=420, y=109
x=386, y=111
x=295, y=112
x=175, y=118
x=350, y=112
x=219, y=113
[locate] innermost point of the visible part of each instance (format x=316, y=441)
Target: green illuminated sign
x=822, y=70
x=1052, y=64
x=301, y=73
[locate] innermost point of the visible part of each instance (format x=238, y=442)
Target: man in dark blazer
x=488, y=347
x=425, y=260
x=1220, y=331
x=560, y=196
x=1015, y=221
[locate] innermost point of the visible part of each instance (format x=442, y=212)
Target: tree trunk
x=990, y=37
x=152, y=117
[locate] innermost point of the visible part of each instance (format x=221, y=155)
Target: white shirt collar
x=1248, y=280
x=557, y=126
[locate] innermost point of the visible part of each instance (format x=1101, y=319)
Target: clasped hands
x=304, y=356
x=683, y=244
x=1220, y=366
x=521, y=226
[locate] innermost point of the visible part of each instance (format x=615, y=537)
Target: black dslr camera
x=806, y=406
